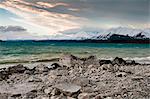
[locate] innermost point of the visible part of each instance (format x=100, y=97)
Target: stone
x=17, y=69
x=131, y=62
x=55, y=92
x=119, y=61
x=40, y=69
x=4, y=75
x=121, y=74
x=81, y=81
x=84, y=96
x=68, y=89
x=55, y=66
x=34, y=79
x=48, y=90
x=101, y=62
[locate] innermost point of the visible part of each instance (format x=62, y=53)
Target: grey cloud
x=126, y=11
x=12, y=29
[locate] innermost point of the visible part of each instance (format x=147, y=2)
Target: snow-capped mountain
x=139, y=33
x=100, y=34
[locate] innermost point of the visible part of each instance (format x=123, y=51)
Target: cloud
x=12, y=29
x=48, y=18
x=38, y=13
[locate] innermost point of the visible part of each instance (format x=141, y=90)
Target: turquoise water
x=27, y=51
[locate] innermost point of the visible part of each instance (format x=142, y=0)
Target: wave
x=145, y=60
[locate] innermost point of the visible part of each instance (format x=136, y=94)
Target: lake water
x=27, y=51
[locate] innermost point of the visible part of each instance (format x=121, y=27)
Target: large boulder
x=68, y=89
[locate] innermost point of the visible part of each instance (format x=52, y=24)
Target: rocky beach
x=73, y=77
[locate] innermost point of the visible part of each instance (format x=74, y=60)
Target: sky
x=46, y=19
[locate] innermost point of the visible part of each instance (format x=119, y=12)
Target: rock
x=40, y=69
x=121, y=74
x=119, y=61
x=73, y=61
x=48, y=90
x=131, y=62
x=29, y=71
x=42, y=97
x=108, y=98
x=17, y=69
x=4, y=75
x=65, y=60
x=108, y=67
x=101, y=62
x=91, y=60
x=81, y=81
x=55, y=92
x=84, y=96
x=68, y=89
x=34, y=79
x=55, y=66
x=31, y=95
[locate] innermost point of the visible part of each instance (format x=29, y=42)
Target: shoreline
x=73, y=77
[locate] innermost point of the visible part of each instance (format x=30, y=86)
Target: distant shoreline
x=138, y=41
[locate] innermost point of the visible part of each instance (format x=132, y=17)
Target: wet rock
x=55, y=66
x=101, y=62
x=68, y=89
x=40, y=69
x=119, y=61
x=17, y=69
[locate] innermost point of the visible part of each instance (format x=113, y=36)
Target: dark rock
x=101, y=62
x=55, y=91
x=16, y=95
x=17, y=69
x=131, y=62
x=31, y=95
x=4, y=75
x=119, y=61
x=55, y=66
